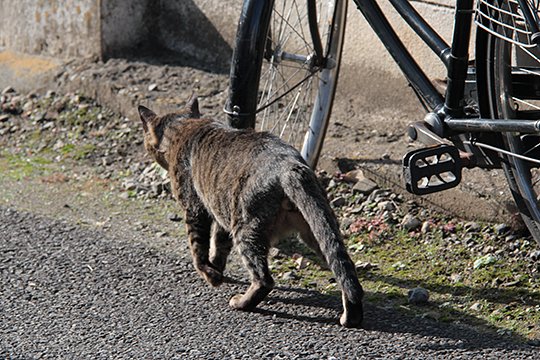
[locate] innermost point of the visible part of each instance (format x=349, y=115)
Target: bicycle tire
x=274, y=85
x=496, y=62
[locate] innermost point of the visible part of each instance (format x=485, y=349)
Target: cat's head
x=156, y=137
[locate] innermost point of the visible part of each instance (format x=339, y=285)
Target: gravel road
x=70, y=291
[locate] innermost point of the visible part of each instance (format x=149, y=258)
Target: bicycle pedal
x=432, y=169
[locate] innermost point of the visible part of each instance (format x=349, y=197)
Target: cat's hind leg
x=220, y=246
x=198, y=226
x=253, y=248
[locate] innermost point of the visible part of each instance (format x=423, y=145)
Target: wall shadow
x=178, y=33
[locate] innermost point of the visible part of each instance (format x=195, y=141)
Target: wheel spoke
x=289, y=82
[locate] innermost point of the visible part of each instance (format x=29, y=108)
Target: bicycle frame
x=503, y=86
x=447, y=117
x=455, y=58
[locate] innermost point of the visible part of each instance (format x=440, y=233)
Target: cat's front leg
x=198, y=224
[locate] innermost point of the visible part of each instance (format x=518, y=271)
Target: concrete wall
x=124, y=25
x=112, y=28
x=62, y=28
x=203, y=30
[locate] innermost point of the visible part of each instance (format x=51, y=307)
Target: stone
x=426, y=227
x=301, y=263
x=364, y=186
x=472, y=227
x=386, y=206
x=365, y=266
x=484, y=261
x=8, y=90
x=501, y=229
x=353, y=176
x=455, y=278
x=174, y=217
x=338, y=201
x=410, y=222
x=331, y=184
x=289, y=275
x=418, y=296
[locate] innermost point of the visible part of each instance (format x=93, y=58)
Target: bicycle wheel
x=511, y=78
x=277, y=83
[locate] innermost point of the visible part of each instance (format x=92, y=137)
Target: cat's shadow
x=283, y=303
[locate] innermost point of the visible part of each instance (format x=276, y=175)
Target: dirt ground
x=367, y=128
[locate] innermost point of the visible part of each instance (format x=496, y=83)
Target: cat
x=249, y=189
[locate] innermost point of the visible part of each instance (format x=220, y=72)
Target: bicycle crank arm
x=422, y=131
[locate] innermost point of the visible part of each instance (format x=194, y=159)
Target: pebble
x=338, y=201
x=386, y=206
x=124, y=195
x=365, y=186
x=289, y=275
x=472, y=227
x=501, y=229
x=345, y=223
x=410, y=222
x=535, y=255
x=353, y=176
x=130, y=185
x=365, y=266
x=331, y=184
x=301, y=263
x=174, y=217
x=426, y=227
x=8, y=90
x=418, y=296
x=275, y=252
x=378, y=195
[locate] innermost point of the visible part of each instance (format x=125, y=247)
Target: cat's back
x=245, y=144
x=227, y=158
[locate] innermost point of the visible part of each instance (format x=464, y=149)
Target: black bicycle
x=286, y=64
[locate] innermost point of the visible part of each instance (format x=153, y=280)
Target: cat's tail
x=314, y=207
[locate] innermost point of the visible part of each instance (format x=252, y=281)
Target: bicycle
x=286, y=63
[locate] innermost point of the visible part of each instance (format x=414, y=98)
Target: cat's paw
x=352, y=316
x=211, y=275
x=219, y=263
x=238, y=302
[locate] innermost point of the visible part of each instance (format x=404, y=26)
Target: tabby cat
x=249, y=189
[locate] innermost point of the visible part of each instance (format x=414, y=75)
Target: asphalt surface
x=72, y=292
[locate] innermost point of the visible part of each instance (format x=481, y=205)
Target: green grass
x=499, y=295
x=18, y=166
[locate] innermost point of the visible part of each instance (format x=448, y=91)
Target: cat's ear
x=193, y=106
x=146, y=115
